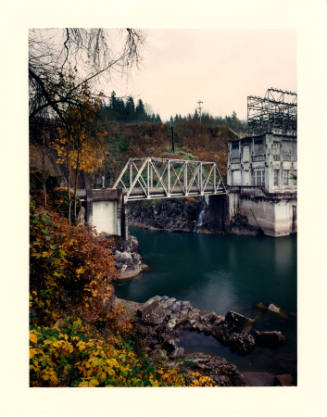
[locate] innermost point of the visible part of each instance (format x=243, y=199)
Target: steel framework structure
x=154, y=178
x=277, y=110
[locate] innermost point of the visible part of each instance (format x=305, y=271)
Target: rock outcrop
x=270, y=339
x=273, y=309
x=234, y=331
x=174, y=215
x=128, y=260
x=206, y=215
x=160, y=320
x=218, y=369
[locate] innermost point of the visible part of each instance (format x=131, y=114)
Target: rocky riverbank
x=160, y=320
x=205, y=215
x=128, y=261
x=174, y=215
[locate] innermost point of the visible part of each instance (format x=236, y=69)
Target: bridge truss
x=156, y=178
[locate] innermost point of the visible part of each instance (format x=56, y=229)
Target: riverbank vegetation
x=79, y=335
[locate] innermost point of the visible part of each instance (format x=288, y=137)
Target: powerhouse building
x=262, y=167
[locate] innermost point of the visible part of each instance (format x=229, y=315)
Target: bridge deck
x=147, y=178
x=159, y=193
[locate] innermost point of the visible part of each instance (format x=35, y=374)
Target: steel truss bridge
x=156, y=178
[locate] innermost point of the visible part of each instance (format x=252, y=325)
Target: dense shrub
x=78, y=336
x=69, y=266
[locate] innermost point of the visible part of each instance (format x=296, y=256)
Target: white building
x=261, y=179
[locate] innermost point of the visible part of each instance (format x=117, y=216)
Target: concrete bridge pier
x=106, y=210
x=217, y=212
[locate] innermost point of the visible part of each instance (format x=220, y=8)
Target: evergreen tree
x=120, y=110
x=130, y=109
x=140, y=111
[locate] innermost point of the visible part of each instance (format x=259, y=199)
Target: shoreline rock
x=273, y=309
x=160, y=320
x=128, y=261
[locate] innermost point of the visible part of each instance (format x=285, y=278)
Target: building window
x=246, y=178
x=293, y=177
x=276, y=151
x=276, y=177
x=236, y=177
x=235, y=155
x=287, y=151
x=259, y=176
x=285, y=176
x=259, y=151
x=246, y=153
x=259, y=147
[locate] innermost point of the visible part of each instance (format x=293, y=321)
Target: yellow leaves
x=81, y=345
x=63, y=346
x=33, y=337
x=112, y=362
x=77, y=324
x=154, y=383
x=84, y=384
x=51, y=376
x=80, y=271
x=91, y=383
x=33, y=352
x=201, y=380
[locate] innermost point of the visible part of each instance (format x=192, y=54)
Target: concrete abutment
x=107, y=212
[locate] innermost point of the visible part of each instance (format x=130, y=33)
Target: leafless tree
x=62, y=60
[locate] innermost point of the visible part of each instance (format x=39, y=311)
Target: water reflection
x=222, y=273
x=216, y=272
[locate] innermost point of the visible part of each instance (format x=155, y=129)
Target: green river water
x=223, y=273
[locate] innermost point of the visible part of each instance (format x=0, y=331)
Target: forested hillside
x=191, y=140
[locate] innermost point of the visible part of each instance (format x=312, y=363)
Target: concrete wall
x=216, y=213
x=233, y=204
x=285, y=215
x=106, y=211
x=260, y=214
x=274, y=217
x=104, y=217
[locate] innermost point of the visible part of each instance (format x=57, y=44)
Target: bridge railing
x=149, y=178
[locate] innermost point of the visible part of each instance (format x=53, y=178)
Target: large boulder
x=219, y=369
x=273, y=309
x=124, y=257
x=241, y=343
x=234, y=332
x=153, y=314
x=237, y=323
x=270, y=339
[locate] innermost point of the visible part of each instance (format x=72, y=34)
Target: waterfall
x=203, y=208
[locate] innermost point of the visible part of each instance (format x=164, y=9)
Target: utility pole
x=200, y=109
x=172, y=135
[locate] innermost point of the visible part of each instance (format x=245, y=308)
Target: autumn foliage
x=79, y=337
x=191, y=140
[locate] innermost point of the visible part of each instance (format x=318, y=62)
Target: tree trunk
x=43, y=173
x=76, y=179
x=68, y=190
x=75, y=195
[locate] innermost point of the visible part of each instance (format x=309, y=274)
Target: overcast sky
x=220, y=67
